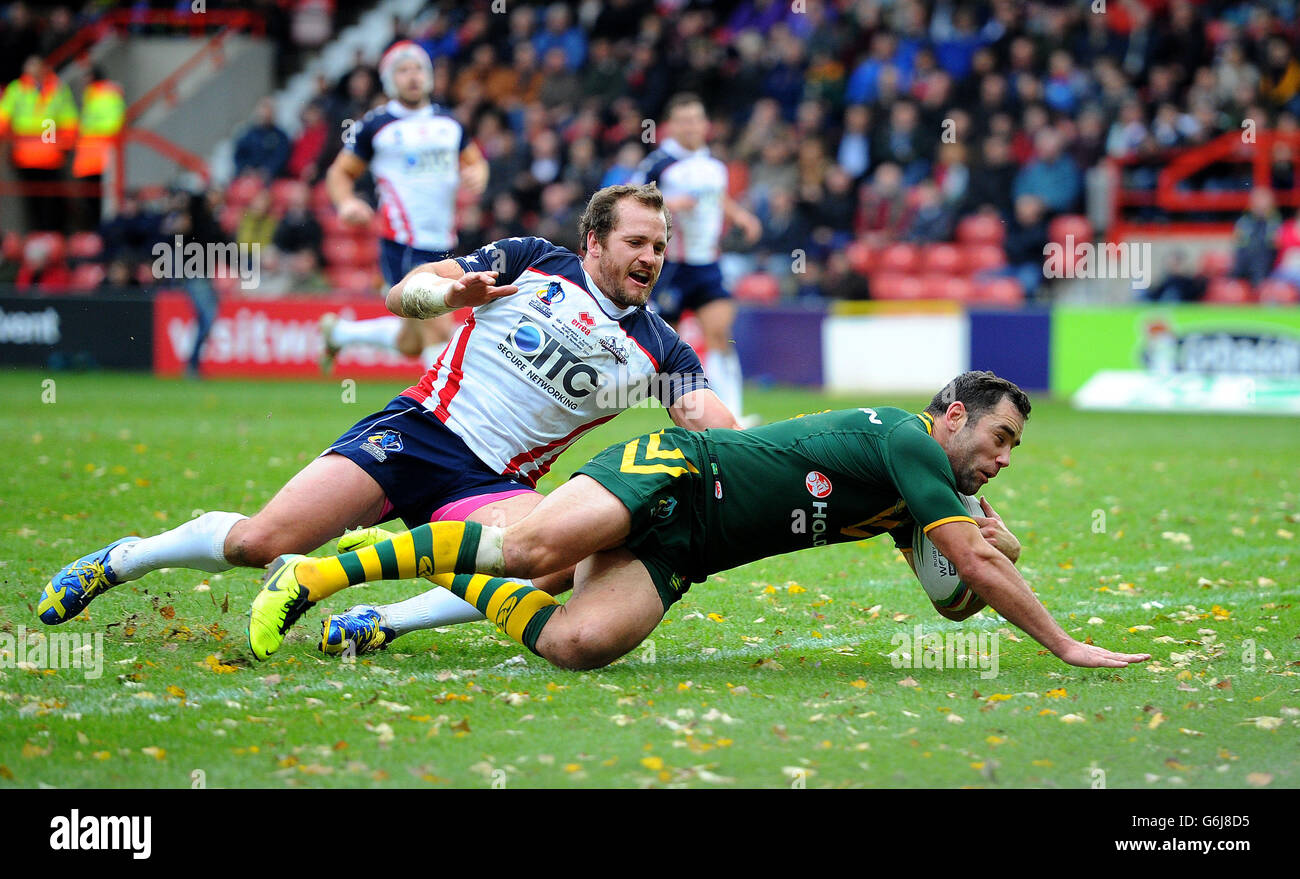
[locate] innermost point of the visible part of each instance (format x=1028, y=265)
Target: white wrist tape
x=424, y=295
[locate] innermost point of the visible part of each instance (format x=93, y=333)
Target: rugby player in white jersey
x=419, y=156
x=694, y=184
x=557, y=344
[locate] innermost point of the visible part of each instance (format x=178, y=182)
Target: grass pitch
x=1172, y=535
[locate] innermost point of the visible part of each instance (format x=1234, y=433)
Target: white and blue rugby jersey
x=679, y=171
x=528, y=374
x=414, y=156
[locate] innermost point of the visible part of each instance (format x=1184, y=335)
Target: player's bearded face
x=981, y=448
x=632, y=257
x=412, y=82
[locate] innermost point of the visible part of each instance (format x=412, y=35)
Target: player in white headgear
x=420, y=157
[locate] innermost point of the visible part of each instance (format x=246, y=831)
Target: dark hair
x=601, y=215
x=979, y=391
x=681, y=99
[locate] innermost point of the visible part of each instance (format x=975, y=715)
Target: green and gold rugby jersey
x=832, y=477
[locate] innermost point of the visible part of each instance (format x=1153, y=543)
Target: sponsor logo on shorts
x=717, y=490
x=665, y=508
x=380, y=444
x=817, y=484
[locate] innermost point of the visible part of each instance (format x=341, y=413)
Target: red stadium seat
x=980, y=257
x=952, y=287
x=242, y=189
x=343, y=250
x=1228, y=291
x=862, y=257
x=320, y=198
x=230, y=217
x=86, y=277
x=352, y=280
x=85, y=246
x=981, y=229
x=13, y=246
x=58, y=247
x=895, y=285
x=281, y=190
x=759, y=287
x=999, y=291
x=1070, y=224
x=1216, y=263
x=941, y=259
x=900, y=258
x=1277, y=292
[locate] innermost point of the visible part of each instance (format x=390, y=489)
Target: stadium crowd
x=889, y=149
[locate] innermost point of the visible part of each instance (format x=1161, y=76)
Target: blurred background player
x=694, y=184
x=420, y=157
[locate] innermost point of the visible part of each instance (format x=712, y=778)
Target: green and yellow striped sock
x=519, y=610
x=435, y=548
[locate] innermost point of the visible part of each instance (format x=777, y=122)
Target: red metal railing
x=1171, y=194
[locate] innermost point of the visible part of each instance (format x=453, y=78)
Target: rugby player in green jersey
x=645, y=519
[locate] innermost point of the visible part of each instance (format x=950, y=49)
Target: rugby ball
x=938, y=576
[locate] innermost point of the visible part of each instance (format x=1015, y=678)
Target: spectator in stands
x=830, y=209
x=298, y=228
x=952, y=173
x=1181, y=283
x=59, y=28
x=840, y=281
x=626, y=160
x=1024, y=243
x=1128, y=131
x=129, y=235
x=1232, y=70
x=862, y=86
x=854, y=154
x=1051, y=175
x=561, y=87
x=557, y=221
x=992, y=179
x=560, y=33
x=305, y=156
x=257, y=225
x=932, y=221
x=583, y=169
x=103, y=113
x=1280, y=79
x=904, y=143
x=1255, y=237
x=297, y=273
x=883, y=215
x=263, y=148
x=784, y=231
x=506, y=221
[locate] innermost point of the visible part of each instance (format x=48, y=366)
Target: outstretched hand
x=1092, y=656
x=477, y=288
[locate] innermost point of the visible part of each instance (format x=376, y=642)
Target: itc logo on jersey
x=817, y=484
x=548, y=362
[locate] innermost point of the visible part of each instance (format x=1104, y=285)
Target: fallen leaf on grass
x=1259, y=779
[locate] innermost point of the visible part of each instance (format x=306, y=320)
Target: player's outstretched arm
x=437, y=288
x=997, y=581
x=701, y=410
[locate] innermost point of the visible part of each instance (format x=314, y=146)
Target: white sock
x=379, y=332
x=429, y=356
x=723, y=370
x=199, y=544
x=437, y=607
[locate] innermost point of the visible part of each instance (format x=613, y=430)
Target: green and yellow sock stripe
x=435, y=548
